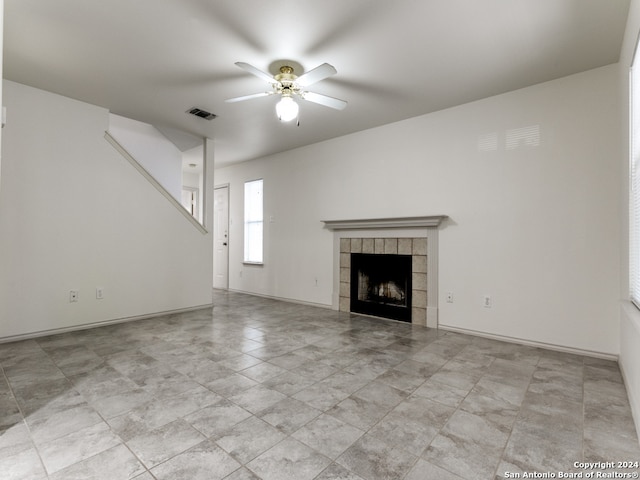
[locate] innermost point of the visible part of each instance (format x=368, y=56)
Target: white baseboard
x=520, y=341
x=630, y=356
x=531, y=343
x=283, y=299
x=103, y=323
x=634, y=401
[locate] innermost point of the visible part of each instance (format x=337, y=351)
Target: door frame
x=216, y=187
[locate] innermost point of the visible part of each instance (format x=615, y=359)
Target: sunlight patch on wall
x=522, y=137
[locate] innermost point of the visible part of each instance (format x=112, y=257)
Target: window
x=634, y=183
x=253, y=222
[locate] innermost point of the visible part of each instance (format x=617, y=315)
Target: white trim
x=474, y=333
x=629, y=365
x=281, y=299
x=383, y=223
x=248, y=240
x=103, y=323
x=122, y=151
x=432, y=312
x=432, y=276
x=228, y=231
x=530, y=343
x=634, y=401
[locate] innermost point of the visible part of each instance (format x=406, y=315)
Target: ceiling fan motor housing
x=286, y=80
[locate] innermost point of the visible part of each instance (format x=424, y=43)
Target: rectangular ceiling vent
x=198, y=112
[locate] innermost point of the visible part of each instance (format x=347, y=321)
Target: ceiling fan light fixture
x=288, y=85
x=286, y=109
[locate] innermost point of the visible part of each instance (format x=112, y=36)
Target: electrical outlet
x=99, y=293
x=486, y=301
x=73, y=296
x=449, y=297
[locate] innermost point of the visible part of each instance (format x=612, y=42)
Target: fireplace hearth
x=381, y=285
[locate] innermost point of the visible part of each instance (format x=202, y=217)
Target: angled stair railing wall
x=135, y=164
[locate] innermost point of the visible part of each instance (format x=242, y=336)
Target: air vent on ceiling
x=198, y=112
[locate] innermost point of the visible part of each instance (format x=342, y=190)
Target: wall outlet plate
x=486, y=301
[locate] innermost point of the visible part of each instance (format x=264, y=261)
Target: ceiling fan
x=288, y=85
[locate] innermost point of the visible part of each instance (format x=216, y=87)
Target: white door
x=221, y=237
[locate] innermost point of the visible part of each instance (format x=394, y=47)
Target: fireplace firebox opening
x=381, y=285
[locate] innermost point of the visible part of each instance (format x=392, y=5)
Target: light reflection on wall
x=522, y=137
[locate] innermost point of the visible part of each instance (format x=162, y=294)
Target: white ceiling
x=152, y=60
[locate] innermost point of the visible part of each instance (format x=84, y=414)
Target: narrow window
x=253, y=222
x=634, y=182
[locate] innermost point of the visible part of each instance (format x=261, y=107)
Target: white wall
x=74, y=214
x=152, y=150
x=191, y=180
x=536, y=226
x=629, y=314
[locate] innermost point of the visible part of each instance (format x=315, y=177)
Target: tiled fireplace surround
x=415, y=236
x=416, y=247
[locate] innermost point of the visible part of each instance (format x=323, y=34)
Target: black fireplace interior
x=381, y=285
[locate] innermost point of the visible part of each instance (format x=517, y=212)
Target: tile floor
x=261, y=389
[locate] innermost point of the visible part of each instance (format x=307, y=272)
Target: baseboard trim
x=531, y=343
x=633, y=401
x=103, y=323
x=283, y=299
x=475, y=333
x=629, y=364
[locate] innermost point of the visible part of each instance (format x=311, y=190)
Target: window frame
x=253, y=222
x=634, y=178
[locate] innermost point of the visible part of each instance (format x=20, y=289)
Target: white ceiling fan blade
x=248, y=97
x=258, y=73
x=319, y=73
x=324, y=100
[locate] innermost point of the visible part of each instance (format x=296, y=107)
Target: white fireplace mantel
x=384, y=223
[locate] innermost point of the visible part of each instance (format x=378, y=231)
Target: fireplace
x=415, y=296
x=381, y=285
x=416, y=237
